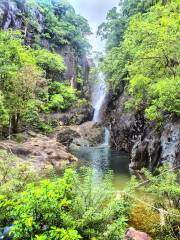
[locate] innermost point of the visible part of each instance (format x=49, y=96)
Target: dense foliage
x=29, y=80
x=19, y=75
x=31, y=71
x=165, y=187
x=117, y=20
x=71, y=207
x=80, y=205
x=53, y=21
x=13, y=179
x=146, y=60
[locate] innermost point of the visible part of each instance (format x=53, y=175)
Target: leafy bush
x=166, y=189
x=61, y=96
x=52, y=63
x=14, y=173
x=60, y=233
x=33, y=120
x=71, y=207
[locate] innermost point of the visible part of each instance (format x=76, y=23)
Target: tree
x=152, y=42
x=19, y=75
x=51, y=63
x=147, y=61
x=22, y=89
x=3, y=113
x=117, y=20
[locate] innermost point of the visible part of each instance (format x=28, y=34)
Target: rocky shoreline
x=54, y=150
x=40, y=151
x=147, y=145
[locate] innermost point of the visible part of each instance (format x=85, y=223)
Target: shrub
x=52, y=63
x=14, y=173
x=72, y=207
x=166, y=189
x=61, y=97
x=144, y=219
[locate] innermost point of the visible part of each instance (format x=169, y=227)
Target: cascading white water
x=98, y=97
x=106, y=137
x=99, y=93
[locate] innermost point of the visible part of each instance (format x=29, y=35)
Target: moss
x=144, y=219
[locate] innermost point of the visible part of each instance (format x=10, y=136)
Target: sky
x=95, y=11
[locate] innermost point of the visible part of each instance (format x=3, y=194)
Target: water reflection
x=103, y=159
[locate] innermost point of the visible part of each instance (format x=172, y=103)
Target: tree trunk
x=14, y=123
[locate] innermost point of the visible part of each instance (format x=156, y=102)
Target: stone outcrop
x=125, y=127
x=133, y=234
x=157, y=147
x=13, y=15
x=147, y=146
x=74, y=116
x=87, y=134
x=66, y=135
x=41, y=151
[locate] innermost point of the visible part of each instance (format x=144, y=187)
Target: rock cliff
x=147, y=145
x=18, y=15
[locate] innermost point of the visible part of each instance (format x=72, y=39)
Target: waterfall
x=98, y=97
x=99, y=93
x=106, y=136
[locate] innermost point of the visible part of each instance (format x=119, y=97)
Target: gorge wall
x=147, y=145
x=21, y=15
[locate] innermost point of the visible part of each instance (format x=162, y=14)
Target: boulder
x=66, y=135
x=87, y=134
x=92, y=132
x=41, y=151
x=133, y=234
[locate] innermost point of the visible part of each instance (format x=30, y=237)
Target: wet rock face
x=147, y=146
x=125, y=126
x=156, y=148
x=170, y=141
x=75, y=116
x=146, y=152
x=8, y=18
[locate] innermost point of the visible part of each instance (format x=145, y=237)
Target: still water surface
x=102, y=159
